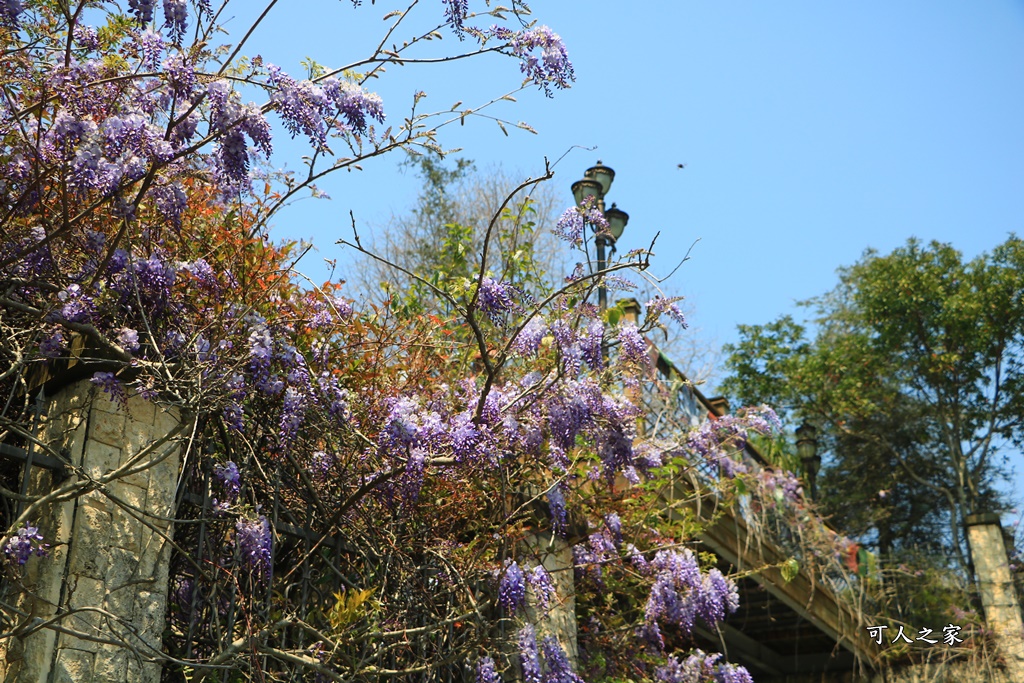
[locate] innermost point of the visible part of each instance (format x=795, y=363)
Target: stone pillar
x=998, y=596
x=555, y=554
x=107, y=566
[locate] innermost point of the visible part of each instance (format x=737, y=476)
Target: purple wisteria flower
x=455, y=12
x=151, y=46
x=302, y=106
x=10, y=10
x=714, y=439
x=234, y=414
x=255, y=542
x=660, y=305
x=229, y=478
x=293, y=411
x=559, y=669
x=680, y=594
x=620, y=283
x=77, y=307
x=86, y=37
x=512, y=589
x=637, y=559
x=529, y=657
x=354, y=104
x=632, y=346
x=719, y=596
x=570, y=226
x=202, y=272
x=181, y=77
x=700, y=667
x=231, y=119
x=176, y=18
x=25, y=544
x=591, y=344
x=112, y=386
x=559, y=514
x=485, y=672
x=128, y=339
x=495, y=299
x=527, y=342
x=142, y=9
x=412, y=479
x=542, y=585
x=52, y=346
x=553, y=68
x=613, y=523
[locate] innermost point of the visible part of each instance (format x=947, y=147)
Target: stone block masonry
x=103, y=586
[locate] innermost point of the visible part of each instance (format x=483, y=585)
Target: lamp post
x=596, y=182
x=807, y=449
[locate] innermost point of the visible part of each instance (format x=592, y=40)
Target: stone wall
x=105, y=578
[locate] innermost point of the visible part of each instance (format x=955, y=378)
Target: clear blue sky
x=810, y=131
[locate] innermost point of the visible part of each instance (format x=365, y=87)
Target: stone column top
x=982, y=518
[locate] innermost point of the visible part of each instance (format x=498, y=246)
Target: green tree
x=914, y=372
x=440, y=239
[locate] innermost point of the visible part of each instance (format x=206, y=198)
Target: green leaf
x=790, y=568
x=741, y=487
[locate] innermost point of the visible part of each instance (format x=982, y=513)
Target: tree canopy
x=914, y=371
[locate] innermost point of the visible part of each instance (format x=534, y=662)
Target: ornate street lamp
x=596, y=182
x=807, y=449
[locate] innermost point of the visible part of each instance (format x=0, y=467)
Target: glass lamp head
x=617, y=220
x=601, y=174
x=582, y=189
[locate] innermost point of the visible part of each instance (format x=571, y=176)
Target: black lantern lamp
x=807, y=449
x=596, y=182
x=617, y=219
